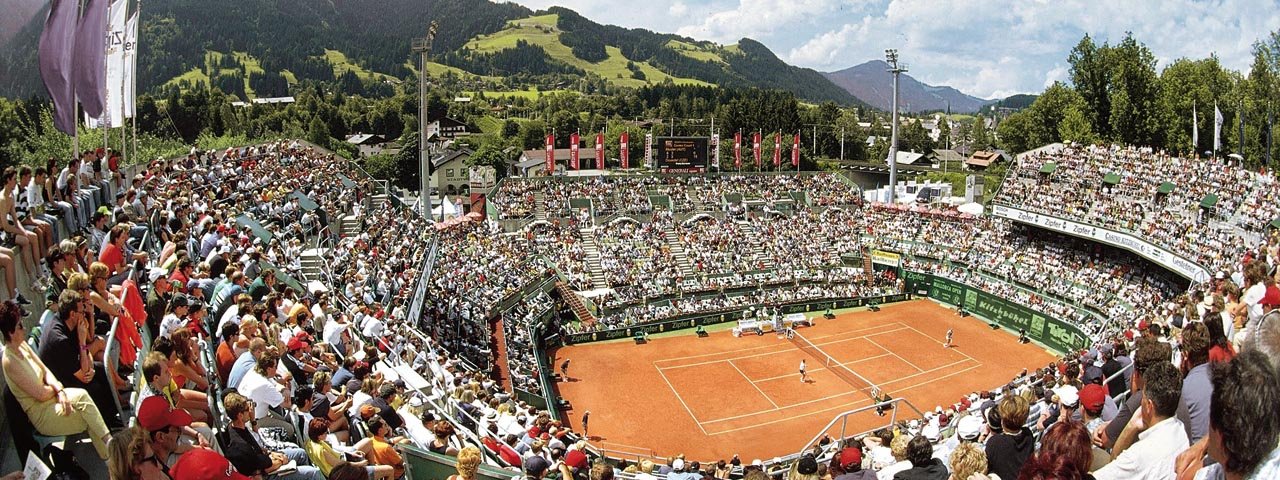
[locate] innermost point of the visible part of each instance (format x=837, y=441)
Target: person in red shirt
x=226, y=355
x=113, y=254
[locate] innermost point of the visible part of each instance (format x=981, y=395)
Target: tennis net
x=827, y=361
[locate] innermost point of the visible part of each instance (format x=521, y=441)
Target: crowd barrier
x=1057, y=335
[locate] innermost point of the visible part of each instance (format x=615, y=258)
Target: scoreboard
x=682, y=154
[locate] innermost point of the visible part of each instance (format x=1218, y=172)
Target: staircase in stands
x=575, y=303
x=763, y=261
x=593, y=257
x=539, y=206
x=867, y=269
x=677, y=252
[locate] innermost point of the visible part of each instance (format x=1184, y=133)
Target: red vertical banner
x=737, y=150
x=600, y=151
x=624, y=150
x=777, y=149
x=755, y=147
x=551, y=153
x=795, y=152
x=573, y=150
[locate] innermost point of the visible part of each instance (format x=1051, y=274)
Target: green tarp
x=1111, y=179
x=304, y=201
x=1048, y=168
x=1275, y=223
x=1166, y=188
x=346, y=182
x=255, y=227
x=1209, y=201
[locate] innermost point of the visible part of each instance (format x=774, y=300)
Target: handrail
x=843, y=420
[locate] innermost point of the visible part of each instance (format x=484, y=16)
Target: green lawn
x=541, y=31
x=531, y=93
x=695, y=52
x=341, y=65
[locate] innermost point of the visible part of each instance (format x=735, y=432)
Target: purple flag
x=56, y=42
x=90, y=60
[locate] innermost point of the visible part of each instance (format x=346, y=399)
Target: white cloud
x=987, y=49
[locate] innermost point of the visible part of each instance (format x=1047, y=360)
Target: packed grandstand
x=275, y=303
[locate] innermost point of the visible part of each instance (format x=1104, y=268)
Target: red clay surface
x=710, y=398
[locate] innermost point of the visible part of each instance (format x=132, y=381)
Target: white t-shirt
x=264, y=392
x=1252, y=296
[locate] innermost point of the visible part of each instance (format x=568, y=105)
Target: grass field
x=695, y=52
x=341, y=65
x=541, y=31
x=212, y=58
x=530, y=93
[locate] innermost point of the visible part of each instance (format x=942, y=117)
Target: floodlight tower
x=891, y=56
x=422, y=47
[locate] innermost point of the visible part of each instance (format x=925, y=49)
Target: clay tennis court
x=710, y=398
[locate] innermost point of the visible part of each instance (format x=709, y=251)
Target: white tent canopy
x=447, y=207
x=971, y=208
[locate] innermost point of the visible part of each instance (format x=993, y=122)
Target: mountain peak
x=872, y=83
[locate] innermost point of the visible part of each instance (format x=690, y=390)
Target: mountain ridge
x=872, y=83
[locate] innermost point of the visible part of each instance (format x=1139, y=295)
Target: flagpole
x=137, y=40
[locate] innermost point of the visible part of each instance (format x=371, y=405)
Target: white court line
x=954, y=349
x=891, y=352
x=677, y=393
x=806, y=402
x=818, y=369
x=846, y=405
x=786, y=350
x=753, y=384
x=748, y=349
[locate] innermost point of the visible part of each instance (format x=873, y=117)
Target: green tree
x=1090, y=76
x=318, y=132
x=1075, y=126
x=1135, y=89
x=1017, y=133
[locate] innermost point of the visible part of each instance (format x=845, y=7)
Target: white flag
x=1195, y=129
x=1217, y=127
x=113, y=113
x=130, y=65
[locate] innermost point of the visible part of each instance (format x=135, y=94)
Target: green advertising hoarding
x=1056, y=334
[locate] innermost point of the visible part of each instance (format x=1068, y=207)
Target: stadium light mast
x=891, y=56
x=422, y=47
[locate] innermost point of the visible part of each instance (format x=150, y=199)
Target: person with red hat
x=848, y=466
x=205, y=464
x=163, y=425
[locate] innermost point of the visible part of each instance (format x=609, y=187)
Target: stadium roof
x=1209, y=201
x=1166, y=188
x=1048, y=168
x=1111, y=179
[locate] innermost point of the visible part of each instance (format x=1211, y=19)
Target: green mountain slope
x=261, y=47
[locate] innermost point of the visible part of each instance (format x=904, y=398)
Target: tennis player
x=950, y=332
x=804, y=377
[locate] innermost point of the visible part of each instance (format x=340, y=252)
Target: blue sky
x=989, y=48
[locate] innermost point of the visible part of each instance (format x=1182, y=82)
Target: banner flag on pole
x=130, y=65
x=573, y=150
x=648, y=149
x=1195, y=130
x=1217, y=128
x=755, y=147
x=89, y=59
x=551, y=153
x=777, y=149
x=600, y=150
x=624, y=152
x=57, y=44
x=715, y=149
x=795, y=152
x=737, y=150
x=113, y=100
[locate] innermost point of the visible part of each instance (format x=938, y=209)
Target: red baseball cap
x=1271, y=297
x=204, y=464
x=850, y=456
x=1092, y=397
x=576, y=459
x=156, y=414
x=296, y=344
